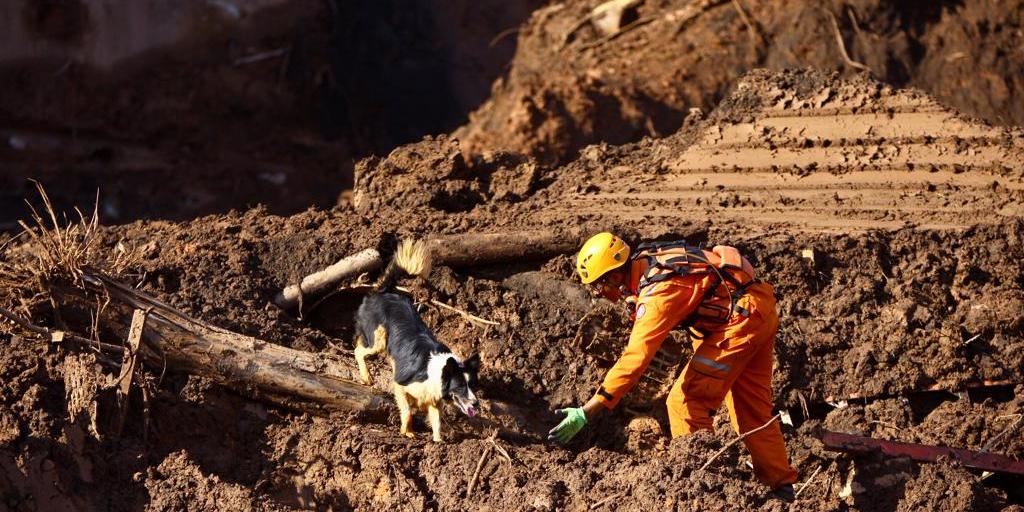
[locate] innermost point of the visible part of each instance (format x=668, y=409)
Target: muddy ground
x=888, y=220
x=875, y=316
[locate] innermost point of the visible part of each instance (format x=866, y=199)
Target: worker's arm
x=659, y=309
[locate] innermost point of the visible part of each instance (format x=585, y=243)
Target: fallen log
x=836, y=441
x=486, y=248
x=299, y=380
x=452, y=250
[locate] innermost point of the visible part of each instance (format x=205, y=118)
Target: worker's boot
x=784, y=493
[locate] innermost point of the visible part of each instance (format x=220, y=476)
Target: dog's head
x=458, y=380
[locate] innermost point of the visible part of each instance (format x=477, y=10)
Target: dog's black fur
x=425, y=370
x=410, y=343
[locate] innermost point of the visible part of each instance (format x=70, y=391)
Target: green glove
x=575, y=420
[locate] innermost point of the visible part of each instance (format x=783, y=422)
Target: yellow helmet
x=601, y=253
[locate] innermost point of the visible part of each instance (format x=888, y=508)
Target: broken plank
x=836, y=441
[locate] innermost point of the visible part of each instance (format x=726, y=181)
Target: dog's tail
x=412, y=258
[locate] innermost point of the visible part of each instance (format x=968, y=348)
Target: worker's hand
x=575, y=420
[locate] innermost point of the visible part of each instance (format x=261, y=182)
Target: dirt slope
x=804, y=152
x=567, y=88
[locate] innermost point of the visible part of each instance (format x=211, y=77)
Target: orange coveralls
x=733, y=362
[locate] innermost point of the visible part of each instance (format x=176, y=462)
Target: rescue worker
x=732, y=320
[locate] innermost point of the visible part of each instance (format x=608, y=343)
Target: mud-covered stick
x=808, y=482
x=473, y=319
x=479, y=466
x=318, y=282
x=607, y=500
x=738, y=439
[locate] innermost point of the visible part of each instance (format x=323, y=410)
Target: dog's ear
x=451, y=367
x=472, y=363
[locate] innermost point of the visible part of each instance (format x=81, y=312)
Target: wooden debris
x=607, y=500
x=755, y=35
x=57, y=336
x=935, y=388
x=504, y=453
x=738, y=439
x=808, y=482
x=454, y=251
x=474, y=249
x=994, y=442
x=610, y=37
x=299, y=380
x=684, y=15
x=502, y=35
x=319, y=282
x=810, y=255
x=473, y=319
x=842, y=46
x=480, y=465
x=128, y=365
x=280, y=52
x=836, y=441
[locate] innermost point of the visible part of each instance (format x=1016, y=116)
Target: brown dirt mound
x=877, y=311
x=568, y=89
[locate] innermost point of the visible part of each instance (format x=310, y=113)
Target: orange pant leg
x=736, y=362
x=706, y=379
x=750, y=406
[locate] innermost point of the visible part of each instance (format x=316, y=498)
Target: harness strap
x=681, y=265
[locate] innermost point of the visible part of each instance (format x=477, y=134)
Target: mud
x=568, y=89
x=888, y=224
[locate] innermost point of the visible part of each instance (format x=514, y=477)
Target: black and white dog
x=425, y=370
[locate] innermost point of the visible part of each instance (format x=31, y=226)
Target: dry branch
x=57, y=336
x=685, y=14
x=738, y=439
x=480, y=465
x=504, y=453
x=994, y=442
x=473, y=319
x=615, y=35
x=808, y=482
x=607, y=500
x=842, y=46
x=319, y=282
x=755, y=35
x=502, y=35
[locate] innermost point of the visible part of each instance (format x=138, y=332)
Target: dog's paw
x=438, y=439
x=410, y=435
